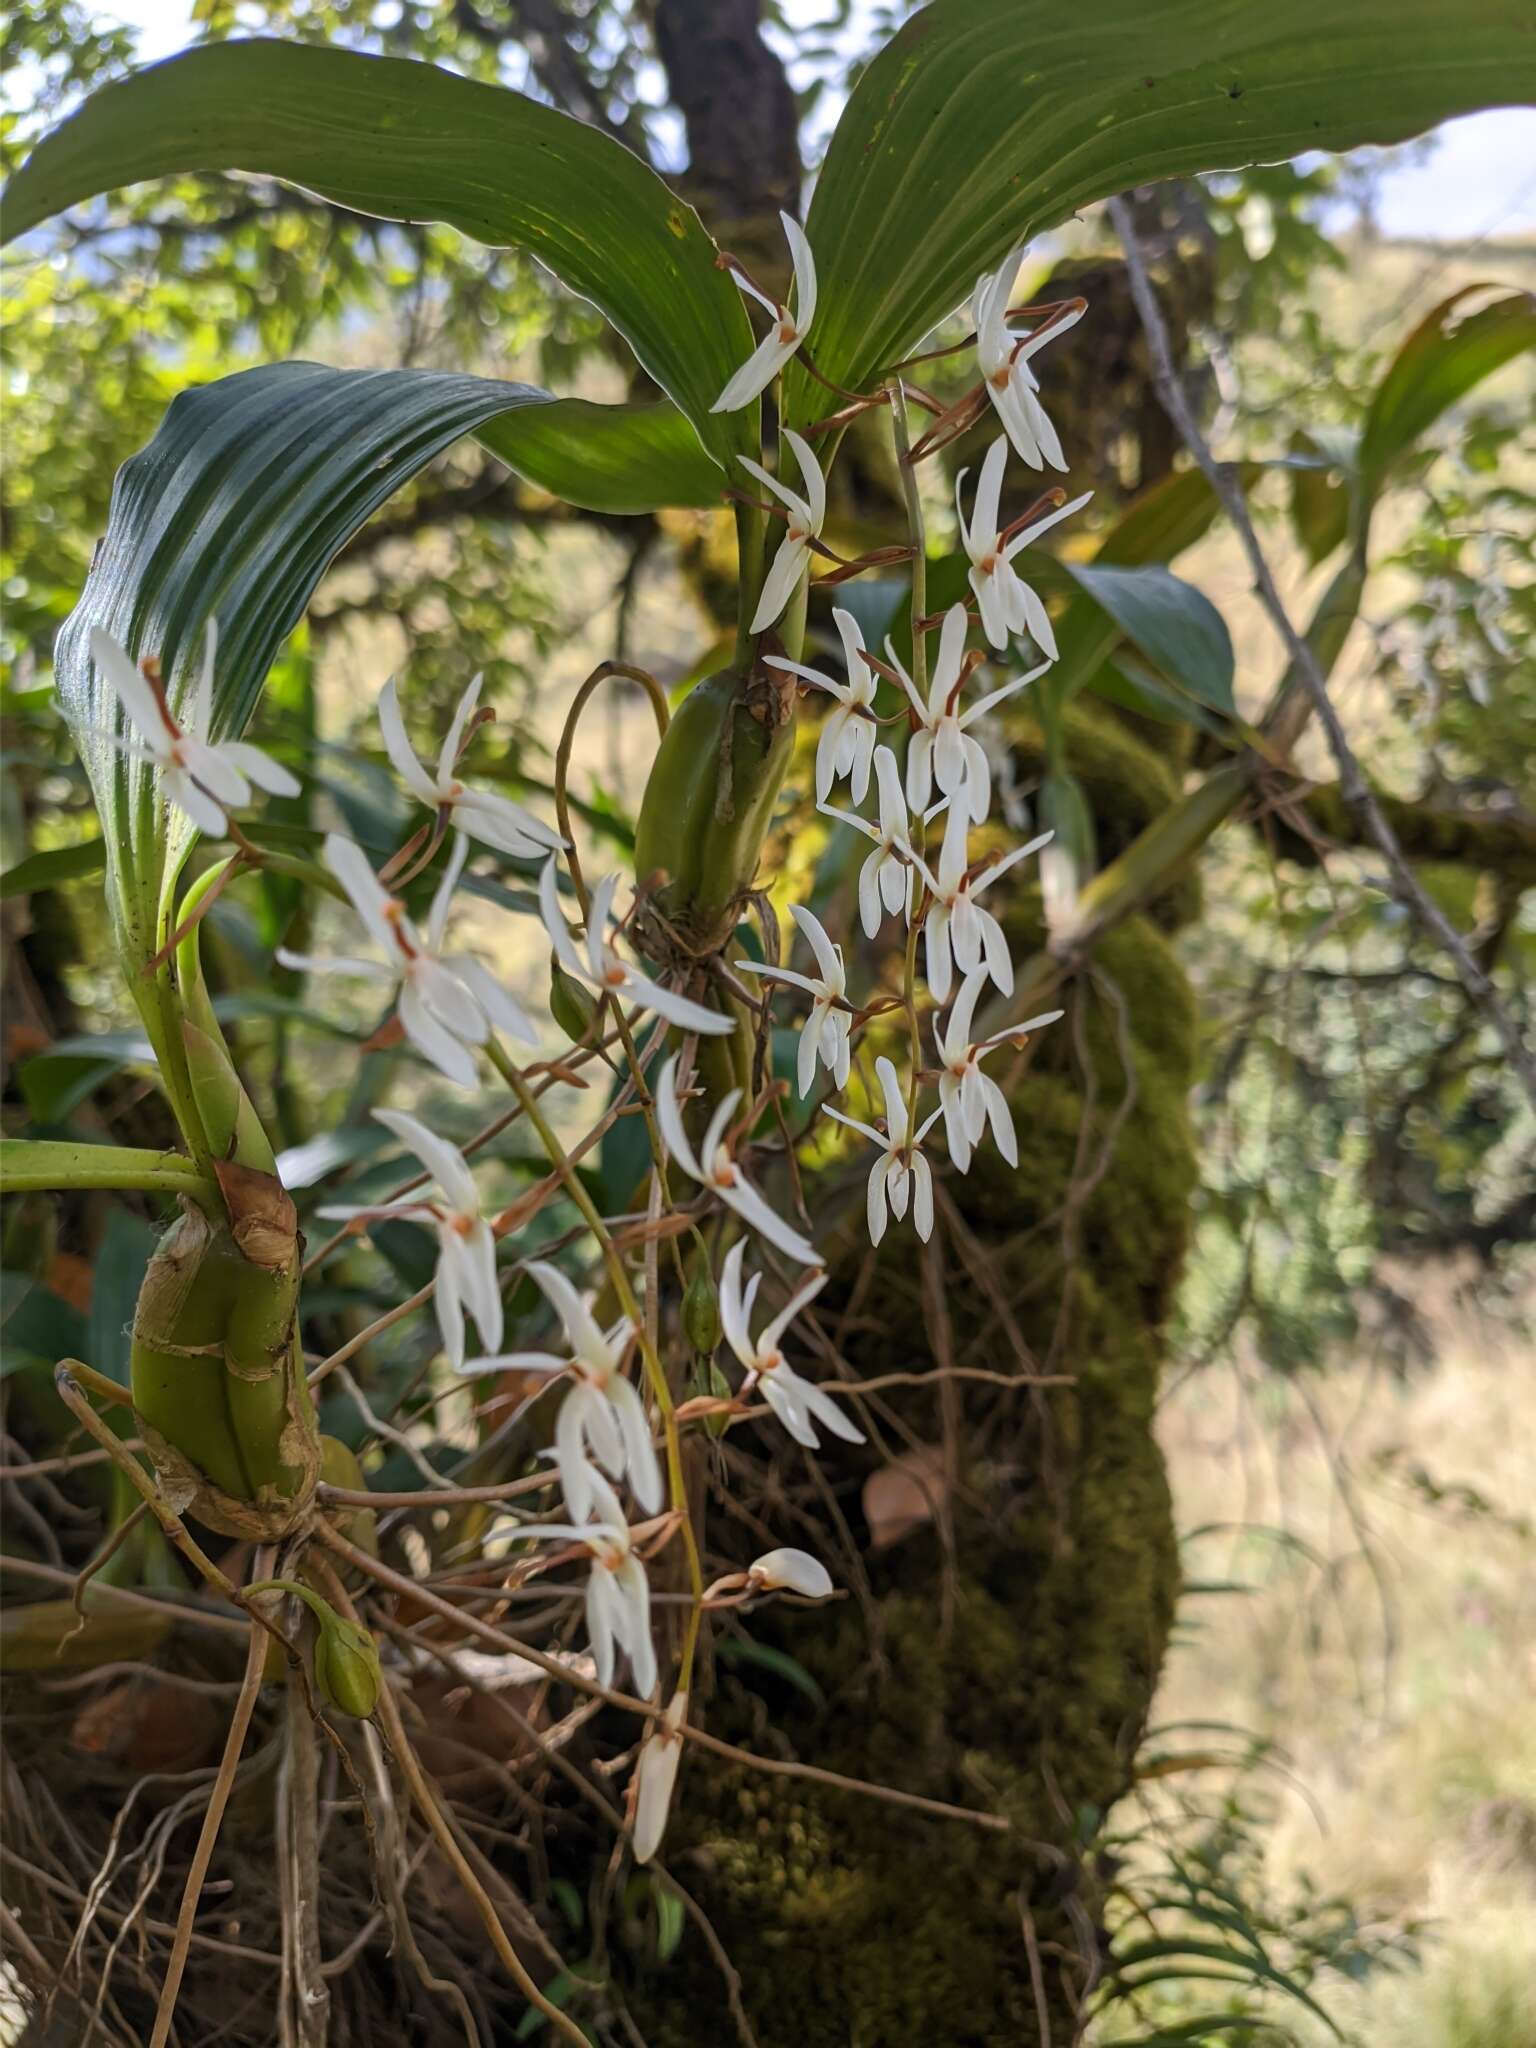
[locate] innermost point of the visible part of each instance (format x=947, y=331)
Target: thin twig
x=497, y=1639
x=218, y=1799
x=448, y=1842
x=1353, y=786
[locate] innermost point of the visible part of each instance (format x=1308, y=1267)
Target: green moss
x=1017, y=1678
x=1011, y=1667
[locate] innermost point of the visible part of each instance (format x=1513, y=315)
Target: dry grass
x=1393, y=1659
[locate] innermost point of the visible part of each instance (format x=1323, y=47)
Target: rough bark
x=741, y=121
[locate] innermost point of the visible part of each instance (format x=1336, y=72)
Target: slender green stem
x=750, y=537
x=917, y=539
x=655, y=1371
x=663, y=715
x=443, y=1831
x=916, y=533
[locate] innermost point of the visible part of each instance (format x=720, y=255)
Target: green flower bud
x=347, y=1673
x=710, y=1380
x=572, y=1006
x=701, y=1309
x=347, y=1666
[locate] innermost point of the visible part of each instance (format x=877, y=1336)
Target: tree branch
x=1355, y=791
x=1502, y=841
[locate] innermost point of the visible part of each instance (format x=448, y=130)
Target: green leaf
x=1253, y=1967
x=236, y=508
x=1135, y=687
x=1162, y=523
x=59, y=864
x=742, y=1649
x=407, y=141
x=1175, y=625
x=670, y=1920
x=32, y=1163
x=37, y=1326
x=55, y=1084
x=1165, y=520
x=607, y=458
x=1065, y=810
x=1447, y=354
x=983, y=122
x=1320, y=488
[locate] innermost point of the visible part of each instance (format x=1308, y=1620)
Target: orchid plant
x=669, y=978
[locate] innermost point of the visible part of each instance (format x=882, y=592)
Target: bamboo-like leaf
x=58, y=864
x=1320, y=481
x=1445, y=357
x=984, y=121
x=408, y=141
x=1252, y=1967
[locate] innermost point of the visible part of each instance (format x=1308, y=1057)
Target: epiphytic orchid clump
x=686, y=1024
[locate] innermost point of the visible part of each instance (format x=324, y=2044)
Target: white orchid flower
x=805, y=520
x=847, y=741
x=1004, y=361
x=887, y=877
x=901, y=1170
x=789, y=329
x=1005, y=601
x=957, y=932
x=967, y=1096
x=205, y=778
x=466, y=1244
x=797, y=1402
x=603, y=1411
x=942, y=749
x=714, y=1167
x=790, y=1571
x=618, y=1592
x=448, y=1003
x=496, y=821
x=656, y=1775
x=824, y=1034
x=602, y=968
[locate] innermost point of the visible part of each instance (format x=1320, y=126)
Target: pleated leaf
x=235, y=510
x=983, y=122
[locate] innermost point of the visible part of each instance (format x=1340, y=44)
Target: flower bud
x=572, y=1006
x=701, y=1310
x=792, y=1571
x=347, y=1673
x=709, y=1384
x=346, y=1663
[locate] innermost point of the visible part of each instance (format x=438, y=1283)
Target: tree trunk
x=1005, y=1656
x=741, y=121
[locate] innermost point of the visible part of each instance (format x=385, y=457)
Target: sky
x=1477, y=178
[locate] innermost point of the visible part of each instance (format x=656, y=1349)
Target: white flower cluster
x=449, y=1006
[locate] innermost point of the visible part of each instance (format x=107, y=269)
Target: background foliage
x=1355, y=1118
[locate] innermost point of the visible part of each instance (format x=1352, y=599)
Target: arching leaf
x=1446, y=355
x=408, y=141
x=983, y=122
x=235, y=510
